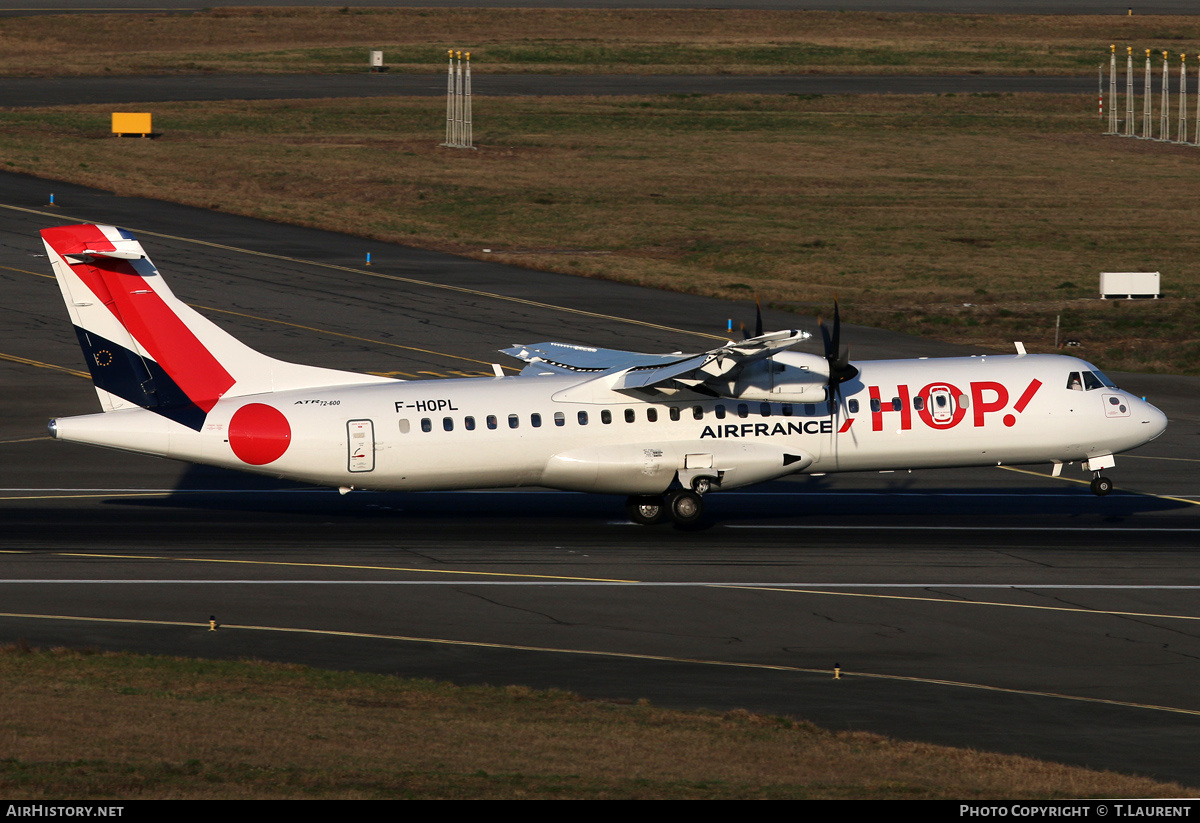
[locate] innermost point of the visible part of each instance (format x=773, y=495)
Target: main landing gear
x=1101, y=485
x=684, y=507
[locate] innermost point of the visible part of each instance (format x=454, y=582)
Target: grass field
x=566, y=41
x=977, y=219
x=139, y=728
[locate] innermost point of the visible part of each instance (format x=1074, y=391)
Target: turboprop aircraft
x=663, y=429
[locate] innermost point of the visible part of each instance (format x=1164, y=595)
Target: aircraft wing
x=635, y=370
x=565, y=358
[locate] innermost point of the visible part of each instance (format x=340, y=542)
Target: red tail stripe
x=145, y=315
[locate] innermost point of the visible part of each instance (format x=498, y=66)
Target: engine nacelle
x=650, y=468
x=788, y=377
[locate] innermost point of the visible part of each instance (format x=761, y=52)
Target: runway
x=994, y=608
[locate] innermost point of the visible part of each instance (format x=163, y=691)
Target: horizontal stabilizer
x=125, y=250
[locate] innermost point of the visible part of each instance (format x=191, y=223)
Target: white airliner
x=664, y=429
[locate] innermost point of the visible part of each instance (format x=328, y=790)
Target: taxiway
x=994, y=608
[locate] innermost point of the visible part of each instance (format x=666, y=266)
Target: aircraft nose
x=1154, y=420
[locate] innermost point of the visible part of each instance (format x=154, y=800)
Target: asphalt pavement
x=994, y=608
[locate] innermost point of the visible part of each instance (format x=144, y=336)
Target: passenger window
x=720, y=411
x=896, y=404
x=560, y=419
x=630, y=416
x=606, y=417
x=448, y=423
x=652, y=414
x=786, y=409
x=876, y=406
x=674, y=412
x=853, y=406
x=426, y=424
x=743, y=410
x=469, y=423
x=491, y=421
x=918, y=402
x=765, y=409
x=963, y=402
x=513, y=421
x=698, y=412
x=535, y=420
x=404, y=426
x=583, y=418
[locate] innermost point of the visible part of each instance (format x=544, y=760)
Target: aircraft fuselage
x=663, y=429
x=532, y=430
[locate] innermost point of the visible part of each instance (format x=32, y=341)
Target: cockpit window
x=1088, y=380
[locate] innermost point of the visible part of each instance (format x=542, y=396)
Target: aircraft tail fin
x=147, y=348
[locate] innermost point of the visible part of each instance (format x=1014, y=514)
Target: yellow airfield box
x=131, y=123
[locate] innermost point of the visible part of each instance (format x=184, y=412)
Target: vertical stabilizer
x=146, y=348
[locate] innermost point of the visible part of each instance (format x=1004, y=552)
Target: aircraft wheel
x=702, y=485
x=645, y=510
x=685, y=507
x=1101, y=486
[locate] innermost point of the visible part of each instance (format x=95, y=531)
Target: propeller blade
x=837, y=355
x=843, y=368
x=758, y=322
x=835, y=346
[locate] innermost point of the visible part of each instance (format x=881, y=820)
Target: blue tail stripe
x=121, y=372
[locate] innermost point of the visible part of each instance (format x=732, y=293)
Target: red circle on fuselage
x=259, y=434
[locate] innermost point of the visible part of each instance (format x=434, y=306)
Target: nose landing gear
x=1101, y=485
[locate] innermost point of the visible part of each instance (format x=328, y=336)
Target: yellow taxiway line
x=1085, y=483
x=844, y=674
x=380, y=275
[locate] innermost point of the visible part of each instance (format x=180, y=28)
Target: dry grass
x=908, y=208
x=139, y=728
x=556, y=40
